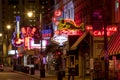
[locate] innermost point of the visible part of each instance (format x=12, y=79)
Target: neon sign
x=46, y=33
x=30, y=44
x=27, y=42
x=70, y=24
x=33, y=45
x=17, y=42
x=57, y=14
x=59, y=39
x=17, y=39
x=68, y=32
x=111, y=29
x=68, y=27
x=28, y=31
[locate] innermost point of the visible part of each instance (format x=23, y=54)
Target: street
x=8, y=74
x=14, y=76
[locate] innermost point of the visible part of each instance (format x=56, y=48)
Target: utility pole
x=106, y=55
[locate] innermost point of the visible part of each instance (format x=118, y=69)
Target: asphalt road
x=14, y=76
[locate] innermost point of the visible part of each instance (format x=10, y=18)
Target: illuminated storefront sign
x=33, y=45
x=111, y=29
x=28, y=31
x=17, y=39
x=56, y=16
x=58, y=13
x=68, y=32
x=12, y=52
x=27, y=42
x=30, y=44
x=59, y=39
x=68, y=27
x=17, y=42
x=65, y=27
x=46, y=33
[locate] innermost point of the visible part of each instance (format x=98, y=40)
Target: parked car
x=1, y=67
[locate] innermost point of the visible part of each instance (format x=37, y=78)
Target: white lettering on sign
x=60, y=39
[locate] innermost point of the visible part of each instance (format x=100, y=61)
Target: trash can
x=14, y=67
x=71, y=73
x=63, y=73
x=26, y=69
x=32, y=71
x=42, y=73
x=22, y=70
x=60, y=75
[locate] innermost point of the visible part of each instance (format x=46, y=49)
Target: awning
x=74, y=46
x=113, y=45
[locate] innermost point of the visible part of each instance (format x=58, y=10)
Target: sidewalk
x=47, y=76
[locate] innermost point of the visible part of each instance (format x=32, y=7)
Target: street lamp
x=30, y=14
x=1, y=34
x=1, y=42
x=42, y=65
x=8, y=27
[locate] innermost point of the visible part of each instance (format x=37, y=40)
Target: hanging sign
x=59, y=39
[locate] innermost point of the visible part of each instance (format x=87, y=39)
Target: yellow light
x=0, y=34
x=8, y=26
x=30, y=14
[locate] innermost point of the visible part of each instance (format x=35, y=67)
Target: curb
x=33, y=76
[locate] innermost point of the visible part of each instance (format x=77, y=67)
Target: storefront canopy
x=80, y=38
x=113, y=45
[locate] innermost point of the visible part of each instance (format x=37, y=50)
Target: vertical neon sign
x=18, y=26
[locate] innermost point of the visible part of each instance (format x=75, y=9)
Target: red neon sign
x=19, y=41
x=110, y=30
x=68, y=27
x=68, y=32
x=57, y=13
x=100, y=33
x=29, y=43
x=28, y=31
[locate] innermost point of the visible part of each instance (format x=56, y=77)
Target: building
x=12, y=8
x=86, y=49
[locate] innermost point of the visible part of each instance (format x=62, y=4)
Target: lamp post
x=42, y=65
x=7, y=37
x=1, y=41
